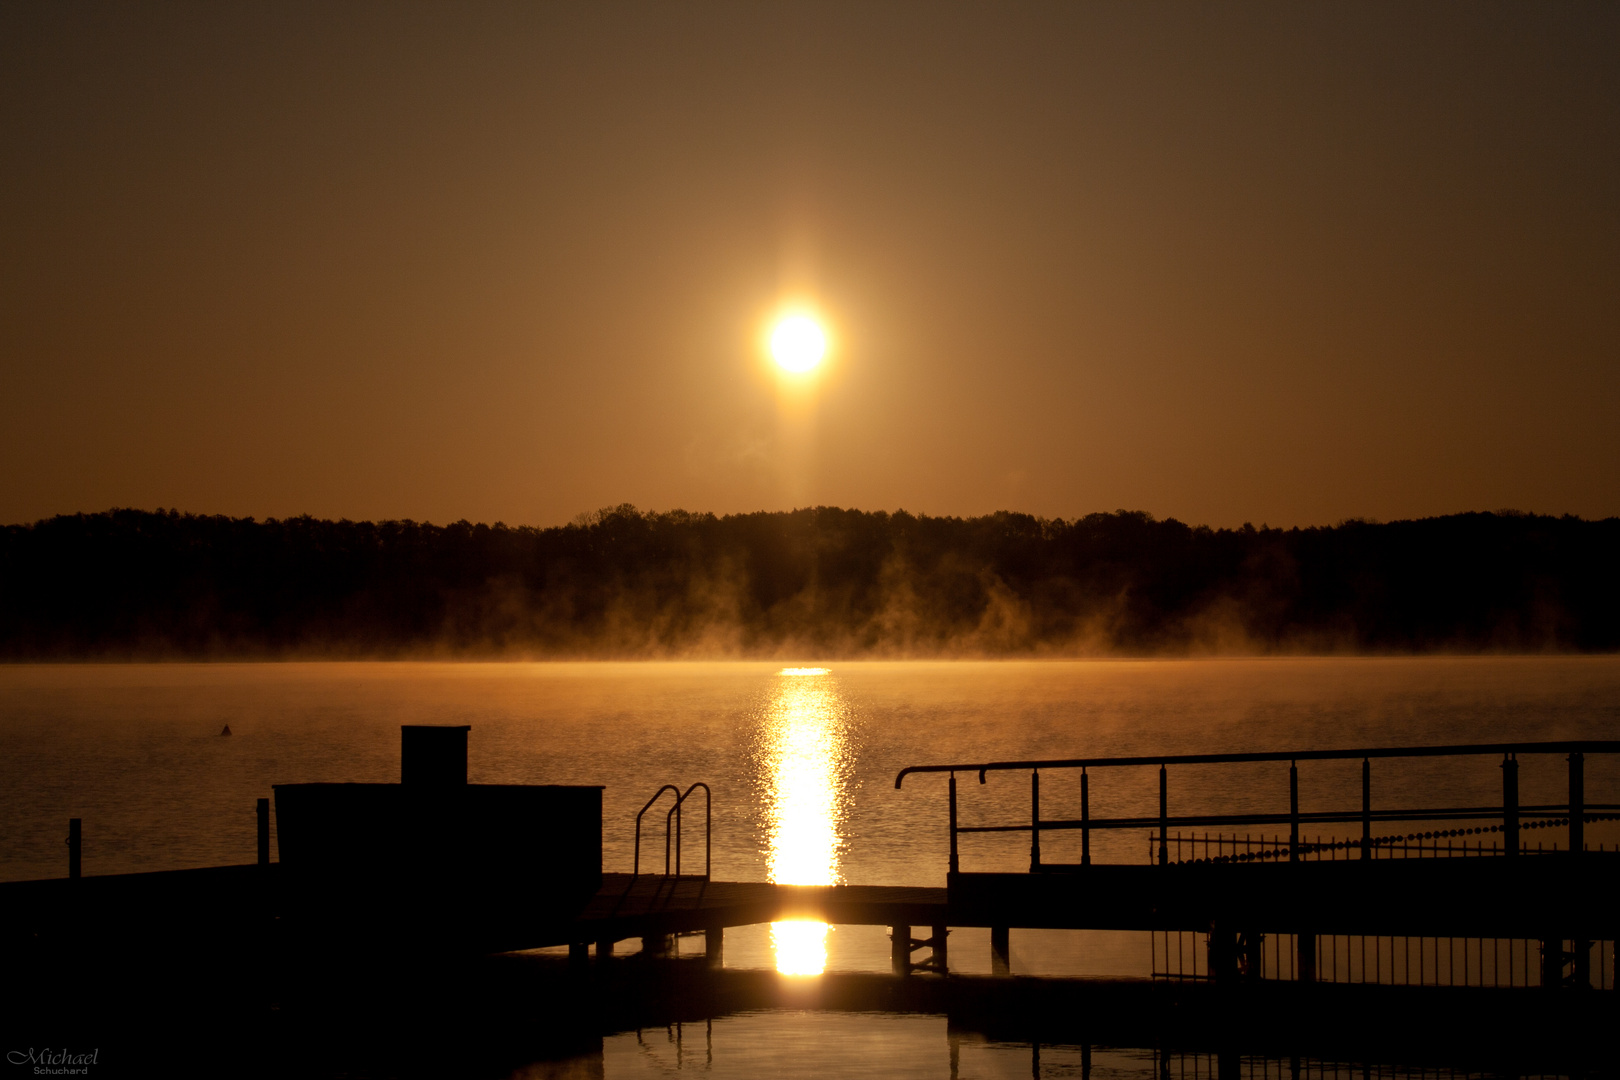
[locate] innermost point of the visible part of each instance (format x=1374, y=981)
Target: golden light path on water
x=806, y=750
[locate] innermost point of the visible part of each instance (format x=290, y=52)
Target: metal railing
x=1510, y=813
x=1390, y=960
x=673, y=818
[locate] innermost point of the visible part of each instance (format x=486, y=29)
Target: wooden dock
x=630, y=906
x=654, y=908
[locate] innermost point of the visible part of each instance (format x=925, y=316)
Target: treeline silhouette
x=823, y=581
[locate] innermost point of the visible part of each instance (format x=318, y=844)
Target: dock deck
x=637, y=906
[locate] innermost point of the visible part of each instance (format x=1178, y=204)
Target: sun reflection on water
x=806, y=751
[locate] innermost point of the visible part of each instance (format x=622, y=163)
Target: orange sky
x=1274, y=263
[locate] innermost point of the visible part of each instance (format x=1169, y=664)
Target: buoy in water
x=227, y=730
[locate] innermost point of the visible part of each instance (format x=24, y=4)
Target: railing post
x=1164, y=816
x=955, y=865
x=1034, y=820
x=73, y=842
x=1510, y=804
x=1366, y=808
x=264, y=832
x=1577, y=802
x=1293, y=811
x=1085, y=819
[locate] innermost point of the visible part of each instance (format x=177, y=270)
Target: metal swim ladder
x=672, y=827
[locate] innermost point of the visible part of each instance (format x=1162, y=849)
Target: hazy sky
x=1282, y=263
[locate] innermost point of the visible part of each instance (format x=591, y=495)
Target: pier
x=1262, y=896
x=1449, y=912
x=1260, y=907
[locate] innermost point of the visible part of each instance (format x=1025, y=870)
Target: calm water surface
x=802, y=762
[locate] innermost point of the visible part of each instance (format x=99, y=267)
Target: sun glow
x=806, y=747
x=798, y=343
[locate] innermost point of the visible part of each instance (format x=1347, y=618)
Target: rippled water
x=801, y=760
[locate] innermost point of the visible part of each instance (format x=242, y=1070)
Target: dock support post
x=1164, y=817
x=940, y=963
x=955, y=865
x=655, y=944
x=1552, y=963
x=900, y=949
x=1251, y=955
x=1223, y=953
x=1366, y=809
x=1510, y=804
x=74, y=836
x=1293, y=819
x=1000, y=950
x=1581, y=964
x=714, y=948
x=264, y=832
x=1085, y=819
x=604, y=948
x=1577, y=802
x=1035, y=819
x=578, y=954
x=1307, y=957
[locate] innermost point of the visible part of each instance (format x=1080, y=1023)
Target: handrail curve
x=636, y=864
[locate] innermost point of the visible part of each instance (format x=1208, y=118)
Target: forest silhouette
x=130, y=584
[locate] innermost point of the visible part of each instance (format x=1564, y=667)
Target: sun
x=798, y=343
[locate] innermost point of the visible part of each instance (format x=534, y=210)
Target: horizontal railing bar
x=1460, y=813
x=1587, y=746
x=1190, y=820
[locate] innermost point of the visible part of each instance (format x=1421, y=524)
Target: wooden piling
x=1085, y=819
x=1366, y=808
x=940, y=963
x=1510, y=804
x=1293, y=812
x=1000, y=950
x=900, y=949
x=1552, y=963
x=1581, y=964
x=1034, y=820
x=714, y=948
x=1164, y=816
x=264, y=832
x=1577, y=802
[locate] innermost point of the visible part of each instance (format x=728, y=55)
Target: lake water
x=801, y=760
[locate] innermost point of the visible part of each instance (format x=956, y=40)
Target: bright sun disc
x=798, y=343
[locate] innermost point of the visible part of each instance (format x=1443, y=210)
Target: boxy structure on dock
x=433, y=860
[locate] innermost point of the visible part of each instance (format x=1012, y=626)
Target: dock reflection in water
x=805, y=758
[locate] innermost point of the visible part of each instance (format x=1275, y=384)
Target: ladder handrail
x=636, y=864
x=673, y=817
x=708, y=817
